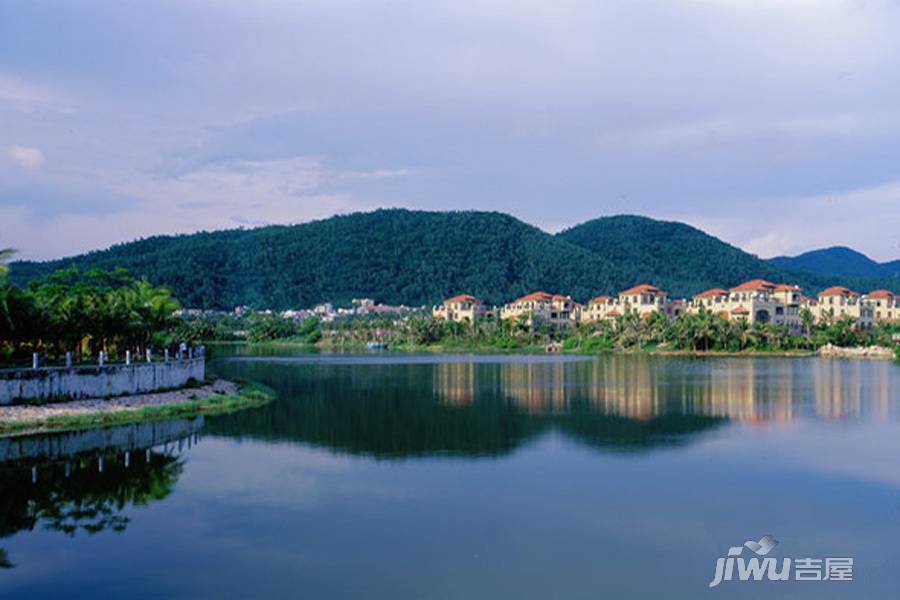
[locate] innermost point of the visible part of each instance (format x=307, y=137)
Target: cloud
x=377, y=174
x=793, y=224
x=25, y=97
x=732, y=114
x=70, y=215
x=25, y=156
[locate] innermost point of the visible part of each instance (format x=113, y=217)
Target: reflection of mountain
x=88, y=489
x=385, y=411
x=405, y=410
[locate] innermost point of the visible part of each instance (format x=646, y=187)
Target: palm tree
x=4, y=288
x=808, y=319
x=5, y=255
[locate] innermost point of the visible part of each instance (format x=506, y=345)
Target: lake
x=442, y=476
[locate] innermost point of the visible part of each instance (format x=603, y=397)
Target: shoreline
x=858, y=352
x=217, y=397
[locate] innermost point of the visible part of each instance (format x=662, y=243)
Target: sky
x=772, y=124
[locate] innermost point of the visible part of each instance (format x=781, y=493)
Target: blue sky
x=774, y=124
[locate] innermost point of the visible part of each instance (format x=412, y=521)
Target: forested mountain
x=838, y=260
x=674, y=256
x=416, y=257
x=394, y=256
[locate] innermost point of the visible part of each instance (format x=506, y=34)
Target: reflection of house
x=643, y=299
x=838, y=303
x=885, y=305
x=642, y=389
x=455, y=382
x=460, y=308
x=541, y=308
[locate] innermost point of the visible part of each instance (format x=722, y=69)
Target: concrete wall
x=97, y=382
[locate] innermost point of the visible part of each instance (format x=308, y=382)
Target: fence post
x=35, y=361
x=128, y=357
x=68, y=360
x=166, y=355
x=102, y=357
x=149, y=355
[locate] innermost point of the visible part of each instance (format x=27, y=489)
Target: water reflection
x=395, y=406
x=85, y=481
x=643, y=388
x=617, y=476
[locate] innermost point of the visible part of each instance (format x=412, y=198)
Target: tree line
x=84, y=312
x=704, y=331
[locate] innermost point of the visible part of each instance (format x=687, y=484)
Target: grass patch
x=250, y=395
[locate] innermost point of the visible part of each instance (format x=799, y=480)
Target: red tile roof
x=755, y=285
x=534, y=297
x=642, y=289
x=882, y=295
x=614, y=313
x=561, y=297
x=838, y=290
x=787, y=287
x=740, y=310
x=713, y=293
x=601, y=300
x=462, y=298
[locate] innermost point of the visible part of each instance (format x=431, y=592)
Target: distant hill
x=838, y=260
x=416, y=257
x=394, y=256
x=674, y=256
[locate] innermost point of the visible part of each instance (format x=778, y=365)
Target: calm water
x=388, y=476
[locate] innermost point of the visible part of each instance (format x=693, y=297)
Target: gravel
x=12, y=414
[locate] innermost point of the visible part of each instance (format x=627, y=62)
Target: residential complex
x=755, y=301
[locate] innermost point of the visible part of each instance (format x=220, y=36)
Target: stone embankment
x=879, y=352
x=53, y=383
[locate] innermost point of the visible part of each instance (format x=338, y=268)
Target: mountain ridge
x=838, y=260
x=401, y=256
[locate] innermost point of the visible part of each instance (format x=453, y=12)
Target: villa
x=714, y=300
x=643, y=299
x=838, y=302
x=885, y=304
x=539, y=308
x=600, y=308
x=460, y=308
x=755, y=301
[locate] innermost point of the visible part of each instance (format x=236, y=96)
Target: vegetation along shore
x=702, y=334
